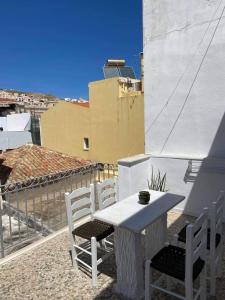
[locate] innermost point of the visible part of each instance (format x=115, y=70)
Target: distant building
x=8, y=106
x=14, y=131
x=108, y=127
x=33, y=103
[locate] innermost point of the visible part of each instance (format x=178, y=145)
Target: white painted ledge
x=178, y=156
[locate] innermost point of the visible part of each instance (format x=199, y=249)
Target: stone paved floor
x=46, y=273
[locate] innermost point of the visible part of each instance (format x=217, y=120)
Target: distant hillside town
x=23, y=111
x=33, y=103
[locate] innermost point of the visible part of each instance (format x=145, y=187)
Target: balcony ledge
x=133, y=160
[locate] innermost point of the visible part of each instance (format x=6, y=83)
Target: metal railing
x=36, y=208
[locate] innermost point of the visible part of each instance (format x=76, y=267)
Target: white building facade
x=15, y=131
x=184, y=73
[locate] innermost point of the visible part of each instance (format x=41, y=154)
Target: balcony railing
x=36, y=208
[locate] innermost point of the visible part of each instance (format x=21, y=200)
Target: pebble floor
x=46, y=273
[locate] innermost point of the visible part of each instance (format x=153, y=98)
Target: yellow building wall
x=131, y=125
x=113, y=124
x=117, y=123
x=63, y=128
x=103, y=95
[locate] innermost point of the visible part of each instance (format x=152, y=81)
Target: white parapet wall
x=133, y=173
x=198, y=179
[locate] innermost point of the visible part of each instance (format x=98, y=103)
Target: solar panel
x=110, y=71
x=127, y=72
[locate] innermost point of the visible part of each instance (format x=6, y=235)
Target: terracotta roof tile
x=6, y=101
x=31, y=161
x=84, y=104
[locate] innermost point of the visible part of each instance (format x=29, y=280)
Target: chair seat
x=182, y=237
x=170, y=260
x=95, y=228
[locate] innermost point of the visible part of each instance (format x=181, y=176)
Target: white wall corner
x=133, y=173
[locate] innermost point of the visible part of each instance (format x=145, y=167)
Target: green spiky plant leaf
x=158, y=182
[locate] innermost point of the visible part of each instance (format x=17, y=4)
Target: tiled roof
x=31, y=161
x=85, y=104
x=6, y=101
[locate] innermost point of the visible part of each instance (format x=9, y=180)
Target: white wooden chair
x=184, y=265
x=80, y=205
x=215, y=240
x=107, y=192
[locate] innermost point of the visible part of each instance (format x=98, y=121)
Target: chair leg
x=74, y=253
x=203, y=284
x=219, y=263
x=212, y=276
x=168, y=283
x=148, y=280
x=94, y=260
x=103, y=244
x=189, y=289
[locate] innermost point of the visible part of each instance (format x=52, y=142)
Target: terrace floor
x=45, y=272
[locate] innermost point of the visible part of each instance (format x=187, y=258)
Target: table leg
x=130, y=255
x=155, y=236
x=130, y=264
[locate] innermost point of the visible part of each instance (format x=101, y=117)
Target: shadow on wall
x=207, y=176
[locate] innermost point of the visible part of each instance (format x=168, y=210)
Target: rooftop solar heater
x=127, y=72
x=113, y=71
x=110, y=72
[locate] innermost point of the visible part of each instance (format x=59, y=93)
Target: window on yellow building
x=86, y=144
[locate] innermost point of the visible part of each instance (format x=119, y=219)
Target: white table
x=130, y=219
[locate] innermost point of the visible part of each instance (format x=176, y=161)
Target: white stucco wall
x=19, y=122
x=3, y=123
x=133, y=175
x=15, y=131
x=184, y=52
x=184, y=83
x=184, y=73
x=200, y=185
x=14, y=139
x=16, y=122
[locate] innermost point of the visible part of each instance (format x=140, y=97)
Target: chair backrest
x=216, y=220
x=107, y=192
x=196, y=243
x=79, y=204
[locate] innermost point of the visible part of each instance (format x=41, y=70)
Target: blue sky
x=58, y=46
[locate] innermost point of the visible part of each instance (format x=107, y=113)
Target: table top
x=130, y=214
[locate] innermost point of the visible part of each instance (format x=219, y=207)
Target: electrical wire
x=181, y=77
x=199, y=68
